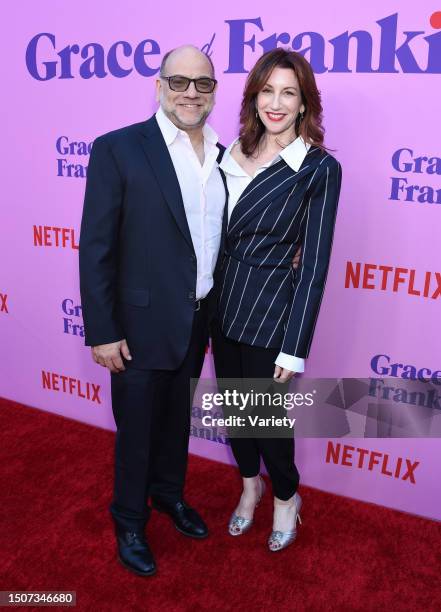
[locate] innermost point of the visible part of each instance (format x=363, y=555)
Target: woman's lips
x=275, y=116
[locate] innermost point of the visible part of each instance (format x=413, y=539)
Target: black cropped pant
x=237, y=360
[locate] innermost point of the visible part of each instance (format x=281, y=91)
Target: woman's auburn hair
x=310, y=127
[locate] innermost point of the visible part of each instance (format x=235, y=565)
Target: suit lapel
x=266, y=187
x=156, y=150
x=225, y=215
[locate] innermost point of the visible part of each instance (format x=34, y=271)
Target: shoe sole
x=134, y=571
x=275, y=550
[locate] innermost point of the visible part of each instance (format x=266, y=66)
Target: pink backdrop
x=380, y=94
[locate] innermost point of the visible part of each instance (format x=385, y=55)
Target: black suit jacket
x=137, y=261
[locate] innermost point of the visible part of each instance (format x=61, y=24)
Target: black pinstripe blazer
x=263, y=301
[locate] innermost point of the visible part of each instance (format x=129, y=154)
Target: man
x=149, y=243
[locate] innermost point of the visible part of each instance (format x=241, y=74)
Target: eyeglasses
x=182, y=83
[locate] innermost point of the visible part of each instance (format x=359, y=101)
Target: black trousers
x=237, y=360
x=152, y=411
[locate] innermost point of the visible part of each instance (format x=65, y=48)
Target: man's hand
x=296, y=258
x=282, y=375
x=109, y=355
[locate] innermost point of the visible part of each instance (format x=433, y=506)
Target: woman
x=283, y=193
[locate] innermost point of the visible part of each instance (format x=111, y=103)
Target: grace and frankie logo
x=385, y=47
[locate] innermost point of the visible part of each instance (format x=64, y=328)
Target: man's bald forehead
x=185, y=50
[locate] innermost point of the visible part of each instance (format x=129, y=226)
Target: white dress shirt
x=238, y=180
x=203, y=194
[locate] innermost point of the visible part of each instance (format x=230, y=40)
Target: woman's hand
x=282, y=375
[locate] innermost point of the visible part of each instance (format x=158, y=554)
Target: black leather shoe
x=134, y=552
x=186, y=519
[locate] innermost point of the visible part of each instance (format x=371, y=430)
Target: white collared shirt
x=238, y=180
x=203, y=194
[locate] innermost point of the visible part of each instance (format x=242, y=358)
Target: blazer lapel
x=157, y=154
x=267, y=186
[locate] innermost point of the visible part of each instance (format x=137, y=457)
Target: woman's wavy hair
x=310, y=127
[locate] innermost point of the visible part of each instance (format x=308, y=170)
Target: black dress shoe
x=186, y=519
x=134, y=552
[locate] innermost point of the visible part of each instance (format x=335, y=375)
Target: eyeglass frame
x=167, y=78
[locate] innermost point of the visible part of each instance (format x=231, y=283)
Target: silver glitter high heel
x=239, y=525
x=279, y=540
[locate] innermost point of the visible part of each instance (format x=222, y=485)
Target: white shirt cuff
x=289, y=362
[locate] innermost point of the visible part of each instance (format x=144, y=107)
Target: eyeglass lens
x=203, y=85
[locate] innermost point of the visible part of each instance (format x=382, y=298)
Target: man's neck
x=196, y=136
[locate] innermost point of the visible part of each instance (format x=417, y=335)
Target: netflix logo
x=374, y=461
x=4, y=303
x=392, y=279
x=72, y=386
x=59, y=237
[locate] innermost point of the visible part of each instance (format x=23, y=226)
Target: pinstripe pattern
x=323, y=290
x=280, y=184
x=255, y=234
x=276, y=326
x=286, y=233
x=275, y=170
x=269, y=308
x=315, y=261
x=258, y=297
x=241, y=298
x=275, y=222
x=230, y=293
x=261, y=302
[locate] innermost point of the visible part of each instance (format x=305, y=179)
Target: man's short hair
x=167, y=55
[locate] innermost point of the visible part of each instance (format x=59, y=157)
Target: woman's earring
x=301, y=116
x=257, y=115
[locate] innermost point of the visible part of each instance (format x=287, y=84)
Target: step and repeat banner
x=72, y=71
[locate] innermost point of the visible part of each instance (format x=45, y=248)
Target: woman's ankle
x=284, y=502
x=251, y=484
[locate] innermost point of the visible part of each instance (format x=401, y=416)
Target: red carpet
x=56, y=534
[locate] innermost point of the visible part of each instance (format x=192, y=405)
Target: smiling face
x=279, y=102
x=189, y=109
